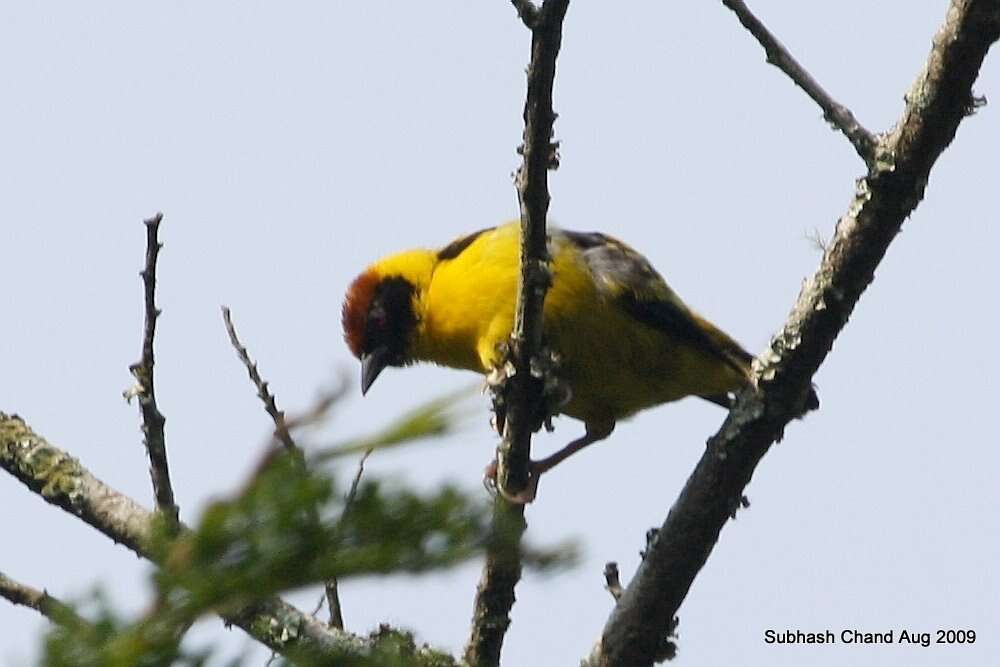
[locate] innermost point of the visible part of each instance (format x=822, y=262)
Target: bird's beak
x=372, y=363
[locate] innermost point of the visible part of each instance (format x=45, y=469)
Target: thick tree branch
x=502, y=570
x=940, y=98
x=64, y=482
x=835, y=113
x=152, y=419
x=48, y=606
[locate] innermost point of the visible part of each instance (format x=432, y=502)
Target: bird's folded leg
x=523, y=497
x=596, y=431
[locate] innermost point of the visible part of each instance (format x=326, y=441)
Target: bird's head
x=381, y=313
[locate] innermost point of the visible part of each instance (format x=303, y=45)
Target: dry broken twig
x=612, y=580
x=144, y=389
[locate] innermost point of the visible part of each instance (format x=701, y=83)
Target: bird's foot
x=555, y=393
x=523, y=497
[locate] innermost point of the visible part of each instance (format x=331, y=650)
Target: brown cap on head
x=354, y=314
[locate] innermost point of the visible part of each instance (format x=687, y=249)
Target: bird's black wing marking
x=455, y=248
x=674, y=321
x=669, y=318
x=587, y=240
x=628, y=278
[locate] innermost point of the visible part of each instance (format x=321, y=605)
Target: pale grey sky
x=289, y=144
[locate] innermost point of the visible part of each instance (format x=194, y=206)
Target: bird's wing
x=626, y=277
x=455, y=248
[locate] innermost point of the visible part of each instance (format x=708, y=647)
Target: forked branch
x=938, y=101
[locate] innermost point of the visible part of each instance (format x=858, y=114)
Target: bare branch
x=62, y=481
x=936, y=104
x=539, y=155
x=332, y=594
x=835, y=113
x=495, y=591
x=265, y=395
x=502, y=570
x=282, y=431
x=612, y=582
x=48, y=606
x=283, y=434
x=152, y=419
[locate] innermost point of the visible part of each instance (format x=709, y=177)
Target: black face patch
x=391, y=319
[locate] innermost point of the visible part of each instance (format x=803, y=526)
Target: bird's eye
x=377, y=318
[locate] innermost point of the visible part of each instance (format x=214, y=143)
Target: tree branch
x=265, y=395
x=283, y=434
x=152, y=419
x=835, y=113
x=48, y=606
x=502, y=570
x=612, y=582
x=941, y=97
x=331, y=590
x=62, y=481
x=539, y=155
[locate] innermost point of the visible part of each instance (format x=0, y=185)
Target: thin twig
x=265, y=395
x=502, y=569
x=612, y=580
x=835, y=113
x=144, y=389
x=353, y=491
x=636, y=631
x=331, y=590
x=48, y=606
x=282, y=431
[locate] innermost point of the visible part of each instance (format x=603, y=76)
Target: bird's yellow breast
x=613, y=364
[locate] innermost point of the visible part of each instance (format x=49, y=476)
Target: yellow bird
x=625, y=341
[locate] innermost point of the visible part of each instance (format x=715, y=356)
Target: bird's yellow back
x=624, y=340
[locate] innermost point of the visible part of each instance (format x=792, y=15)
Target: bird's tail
x=727, y=400
x=740, y=360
